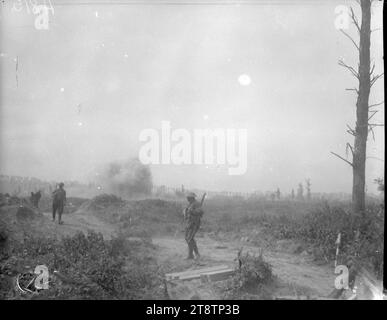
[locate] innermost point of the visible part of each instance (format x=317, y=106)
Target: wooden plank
x=187, y=277
x=195, y=273
x=207, y=274
x=302, y=298
x=208, y=269
x=217, y=275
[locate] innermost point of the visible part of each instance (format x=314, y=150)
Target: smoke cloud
x=126, y=179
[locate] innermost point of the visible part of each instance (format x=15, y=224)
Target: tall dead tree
x=364, y=112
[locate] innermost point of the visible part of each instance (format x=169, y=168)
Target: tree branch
x=373, y=113
x=353, y=71
x=354, y=20
x=350, y=38
x=340, y=157
x=371, y=129
x=373, y=68
x=377, y=29
x=376, y=78
x=348, y=146
x=350, y=130
x=376, y=104
x=352, y=89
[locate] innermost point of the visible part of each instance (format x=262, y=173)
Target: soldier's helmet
x=61, y=184
x=191, y=195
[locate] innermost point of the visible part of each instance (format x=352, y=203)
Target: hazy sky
x=100, y=74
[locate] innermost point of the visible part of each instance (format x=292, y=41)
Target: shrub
x=89, y=267
x=252, y=274
x=253, y=270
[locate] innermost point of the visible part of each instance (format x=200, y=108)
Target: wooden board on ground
x=218, y=275
x=215, y=273
x=302, y=298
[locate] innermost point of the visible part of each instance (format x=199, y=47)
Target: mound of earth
x=102, y=202
x=19, y=220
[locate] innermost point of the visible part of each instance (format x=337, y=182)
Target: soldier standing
x=38, y=195
x=35, y=198
x=59, y=201
x=192, y=215
x=32, y=198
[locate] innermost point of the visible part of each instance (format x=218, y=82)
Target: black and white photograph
x=192, y=150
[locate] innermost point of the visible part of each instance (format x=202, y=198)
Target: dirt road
x=297, y=274
x=79, y=221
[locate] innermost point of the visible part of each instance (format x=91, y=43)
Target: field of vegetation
x=316, y=224
x=124, y=267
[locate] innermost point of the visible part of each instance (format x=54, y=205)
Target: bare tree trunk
x=366, y=77
x=361, y=129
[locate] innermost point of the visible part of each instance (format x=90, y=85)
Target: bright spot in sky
x=80, y=124
x=61, y=89
x=126, y=55
x=244, y=80
x=205, y=117
x=96, y=14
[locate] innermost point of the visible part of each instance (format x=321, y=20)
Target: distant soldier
x=59, y=201
x=37, y=197
x=278, y=194
x=192, y=215
x=7, y=198
x=32, y=198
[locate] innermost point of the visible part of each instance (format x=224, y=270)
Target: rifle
x=203, y=197
x=201, y=202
